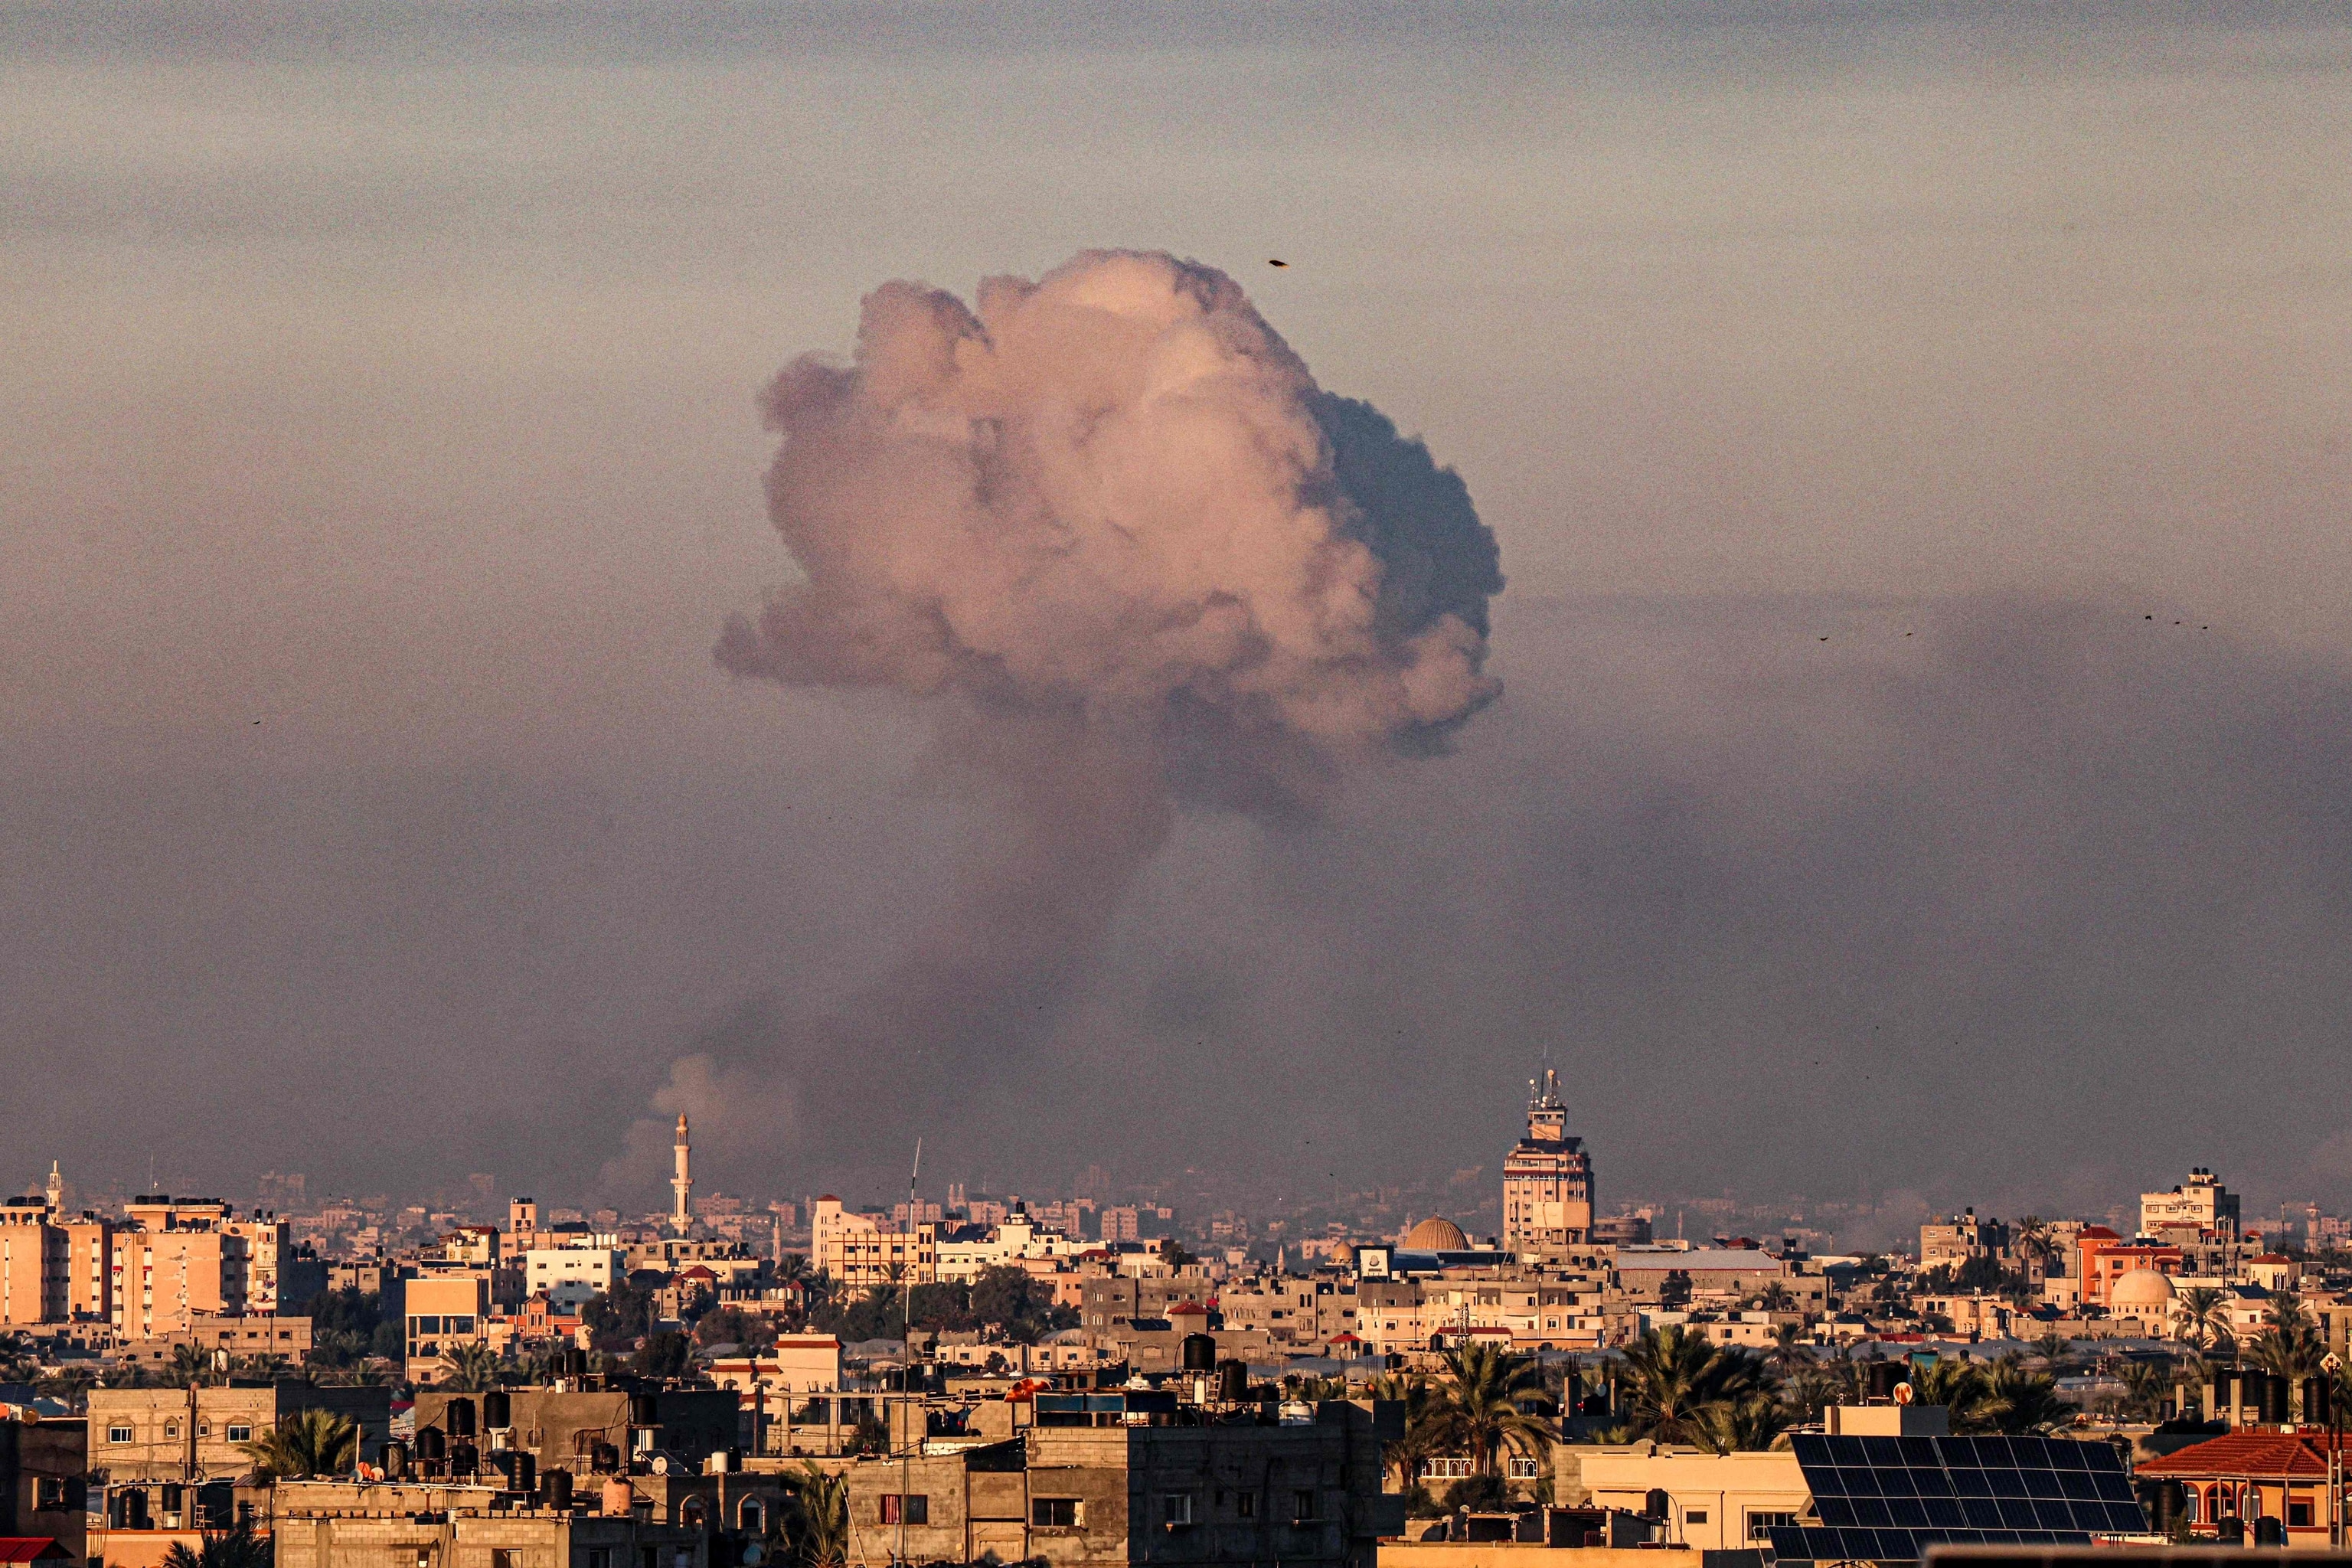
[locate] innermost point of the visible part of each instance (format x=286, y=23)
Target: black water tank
x=559, y=1489
x=173, y=1496
x=1232, y=1381
x=1656, y=1504
x=644, y=1410
x=1198, y=1353
x=2269, y=1531
x=606, y=1458
x=497, y=1410
x=2224, y=1385
x=2276, y=1410
x=392, y=1458
x=432, y=1443
x=458, y=1418
x=1884, y=1375
x=463, y=1459
x=2166, y=1502
x=526, y=1472
x=2317, y=1407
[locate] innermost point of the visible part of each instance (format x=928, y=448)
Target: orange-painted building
x=2106, y=1257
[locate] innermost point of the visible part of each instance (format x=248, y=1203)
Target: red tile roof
x=2266, y=1453
x=28, y=1548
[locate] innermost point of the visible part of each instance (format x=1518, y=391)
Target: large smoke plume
x=1110, y=528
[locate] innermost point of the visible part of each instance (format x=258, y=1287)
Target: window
x=118, y=1434
x=505, y=1557
x=1302, y=1505
x=2298, y=1515
x=1176, y=1507
x=1694, y=1516
x=171, y=1429
x=1449, y=1468
x=1056, y=1513
x=241, y=1434
x=905, y=1508
x=461, y=1325
x=1761, y=1525
x=1523, y=1468
x=426, y=1325
x=1245, y=1505
x=204, y=1429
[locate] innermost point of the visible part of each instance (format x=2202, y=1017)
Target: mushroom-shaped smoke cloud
x=1108, y=520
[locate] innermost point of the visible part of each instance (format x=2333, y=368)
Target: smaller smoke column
x=1108, y=525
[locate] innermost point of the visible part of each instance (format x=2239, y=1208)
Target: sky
x=1918, y=438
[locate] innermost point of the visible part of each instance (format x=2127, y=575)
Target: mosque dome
x=2142, y=1287
x=1437, y=1235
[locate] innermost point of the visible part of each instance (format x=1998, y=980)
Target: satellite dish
x=1903, y=1394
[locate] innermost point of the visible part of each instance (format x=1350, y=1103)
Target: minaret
x=56, y=1193
x=682, y=1184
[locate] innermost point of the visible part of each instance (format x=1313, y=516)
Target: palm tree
x=189, y=1366
x=1814, y=1390
x=1675, y=1375
x=1419, y=1443
x=306, y=1443
x=1775, y=1297
x=2144, y=1384
x=2034, y=1242
x=1960, y=1386
x=1478, y=1408
x=1743, y=1425
x=2024, y=1402
x=2291, y=1348
x=2204, y=1314
x=1789, y=1351
x=2053, y=1347
x=237, y=1547
x=818, y=1521
x=472, y=1368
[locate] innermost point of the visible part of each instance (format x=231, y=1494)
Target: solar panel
x=1887, y=1499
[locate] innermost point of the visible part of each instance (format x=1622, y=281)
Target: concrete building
x=53, y=1268
x=2105, y=1258
x=564, y=1429
x=2247, y=1476
x=2200, y=1205
x=443, y=1312
x=795, y=1363
x=1961, y=1238
x=1548, y=1185
x=44, y=1467
x=158, y=1435
x=861, y=1251
x=568, y=1276
x=347, y=1525
x=1718, y=1501
x=1105, y=1489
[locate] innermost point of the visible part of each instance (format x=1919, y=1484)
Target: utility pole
x=906, y=1357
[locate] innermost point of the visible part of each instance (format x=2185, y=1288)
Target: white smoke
x=1115, y=490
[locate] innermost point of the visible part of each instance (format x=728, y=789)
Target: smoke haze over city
x=1924, y=723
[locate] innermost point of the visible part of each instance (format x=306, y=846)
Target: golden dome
x=1435, y=1234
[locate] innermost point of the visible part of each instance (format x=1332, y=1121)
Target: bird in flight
x=1272, y=262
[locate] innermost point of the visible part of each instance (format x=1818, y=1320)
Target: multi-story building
x=43, y=1471
x=173, y=1263
x=2106, y=1257
x=569, y=1275
x=53, y=1268
x=193, y=1434
x=1950, y=1242
x=2200, y=1205
x=1547, y=1190
x=443, y=1310
x=860, y=1250
x=269, y=1244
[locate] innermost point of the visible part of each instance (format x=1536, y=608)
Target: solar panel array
x=1887, y=1500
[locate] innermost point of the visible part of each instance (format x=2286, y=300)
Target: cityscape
x=1175, y=783
x=829, y=1376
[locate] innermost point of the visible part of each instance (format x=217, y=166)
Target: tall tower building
x=682, y=1184
x=1547, y=1178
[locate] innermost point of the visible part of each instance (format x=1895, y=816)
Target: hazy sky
x=379, y=458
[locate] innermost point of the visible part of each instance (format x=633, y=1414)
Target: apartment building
x=1957, y=1239
x=163, y=1279
x=859, y=1250
x=177, y=1433
x=1548, y=1180
x=1291, y=1311
x=443, y=1310
x=2200, y=1205
x=569, y=1275
x=53, y=1268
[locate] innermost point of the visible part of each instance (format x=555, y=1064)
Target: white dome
x=2140, y=1287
